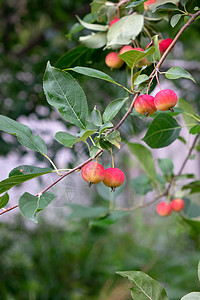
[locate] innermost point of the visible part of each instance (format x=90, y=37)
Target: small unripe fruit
x=125, y=49
x=113, y=21
x=165, y=99
x=144, y=105
x=114, y=177
x=178, y=204
x=113, y=61
x=149, y=2
x=164, y=44
x=93, y=172
x=164, y=208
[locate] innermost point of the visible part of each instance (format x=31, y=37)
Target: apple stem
x=171, y=109
x=158, y=80
x=113, y=165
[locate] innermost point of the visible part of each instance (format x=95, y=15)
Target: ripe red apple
x=164, y=44
x=178, y=204
x=149, y=2
x=113, y=21
x=113, y=61
x=125, y=49
x=165, y=99
x=144, y=105
x=114, y=177
x=164, y=208
x=93, y=172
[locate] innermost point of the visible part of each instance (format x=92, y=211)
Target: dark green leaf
x=192, y=296
x=163, y=131
x=114, y=138
x=86, y=212
x=94, y=40
x=63, y=92
x=66, y=139
x=96, y=117
x=113, y=108
x=109, y=219
x=166, y=166
x=175, y=19
x=96, y=5
x=140, y=79
x=178, y=72
x=193, y=186
x=4, y=200
x=156, y=55
x=132, y=57
x=92, y=73
x=195, y=129
x=93, y=151
x=144, y=287
x=125, y=30
x=24, y=134
x=153, y=6
x=166, y=6
x=44, y=200
x=141, y=185
x=22, y=174
x=105, y=126
x=145, y=158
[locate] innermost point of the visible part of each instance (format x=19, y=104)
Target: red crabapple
x=178, y=204
x=93, y=172
x=144, y=105
x=149, y=2
x=113, y=21
x=165, y=99
x=164, y=208
x=114, y=177
x=125, y=49
x=164, y=44
x=113, y=61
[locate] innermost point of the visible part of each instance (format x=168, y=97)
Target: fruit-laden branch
x=193, y=17
x=166, y=192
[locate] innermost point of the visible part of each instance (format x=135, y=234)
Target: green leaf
x=24, y=134
x=114, y=138
x=64, y=93
x=140, y=79
x=94, y=40
x=166, y=6
x=87, y=212
x=113, y=108
x=135, y=3
x=92, y=73
x=105, y=126
x=156, y=55
x=96, y=117
x=153, y=6
x=125, y=30
x=85, y=135
x=163, y=131
x=192, y=296
x=4, y=200
x=65, y=138
x=22, y=174
x=199, y=271
x=141, y=185
x=195, y=129
x=188, y=112
x=109, y=219
x=132, y=57
x=80, y=55
x=89, y=18
x=166, y=166
x=96, y=5
x=90, y=26
x=193, y=186
x=145, y=158
x=144, y=287
x=178, y=72
x=29, y=205
x=175, y=19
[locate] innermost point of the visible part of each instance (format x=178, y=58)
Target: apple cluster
x=94, y=173
x=164, y=100
x=166, y=208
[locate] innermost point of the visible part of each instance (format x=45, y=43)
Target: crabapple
x=113, y=61
x=144, y=105
x=165, y=99
x=178, y=204
x=149, y=2
x=93, y=172
x=114, y=177
x=164, y=208
x=125, y=49
x=164, y=44
x=113, y=21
